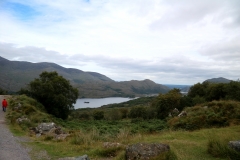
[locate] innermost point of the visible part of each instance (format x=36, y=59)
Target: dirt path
x=10, y=148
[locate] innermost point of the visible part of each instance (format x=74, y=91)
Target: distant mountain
x=121, y=89
x=218, y=80
x=16, y=75
x=183, y=88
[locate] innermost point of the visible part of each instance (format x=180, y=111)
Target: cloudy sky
x=167, y=41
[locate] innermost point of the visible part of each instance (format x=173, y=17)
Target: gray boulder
x=142, y=151
x=61, y=136
x=182, y=114
x=84, y=157
x=45, y=127
x=18, y=107
x=22, y=119
x=175, y=112
x=112, y=145
x=234, y=145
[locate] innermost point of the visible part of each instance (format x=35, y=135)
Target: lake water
x=98, y=102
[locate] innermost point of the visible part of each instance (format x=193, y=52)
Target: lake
x=98, y=102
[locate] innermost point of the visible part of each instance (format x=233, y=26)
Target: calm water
x=98, y=102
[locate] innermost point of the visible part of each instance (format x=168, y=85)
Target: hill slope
x=16, y=75
x=218, y=80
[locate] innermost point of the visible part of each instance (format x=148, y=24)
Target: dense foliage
x=207, y=91
x=54, y=92
x=208, y=115
x=165, y=103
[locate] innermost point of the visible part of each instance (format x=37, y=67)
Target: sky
x=167, y=41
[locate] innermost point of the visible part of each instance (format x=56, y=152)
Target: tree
x=216, y=92
x=55, y=93
x=165, y=103
x=233, y=91
x=198, y=90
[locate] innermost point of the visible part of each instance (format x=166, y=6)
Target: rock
x=205, y=107
x=67, y=158
x=49, y=129
x=183, y=113
x=234, y=145
x=38, y=135
x=18, y=107
x=57, y=130
x=112, y=144
x=61, y=136
x=22, y=119
x=43, y=128
x=175, y=112
x=84, y=157
x=142, y=151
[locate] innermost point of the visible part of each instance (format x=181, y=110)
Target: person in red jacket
x=4, y=105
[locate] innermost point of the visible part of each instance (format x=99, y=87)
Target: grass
x=184, y=144
x=87, y=137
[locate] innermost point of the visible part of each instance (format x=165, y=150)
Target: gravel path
x=10, y=148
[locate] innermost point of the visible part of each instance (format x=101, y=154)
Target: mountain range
x=17, y=74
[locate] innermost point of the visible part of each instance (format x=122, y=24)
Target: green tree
x=198, y=90
x=55, y=93
x=165, y=103
x=215, y=91
x=233, y=91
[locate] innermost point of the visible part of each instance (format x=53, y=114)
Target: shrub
x=217, y=114
x=98, y=115
x=113, y=114
x=138, y=112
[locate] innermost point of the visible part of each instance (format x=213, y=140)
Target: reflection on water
x=98, y=102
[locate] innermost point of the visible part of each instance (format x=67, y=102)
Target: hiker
x=4, y=105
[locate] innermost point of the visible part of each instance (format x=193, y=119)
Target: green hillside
x=16, y=75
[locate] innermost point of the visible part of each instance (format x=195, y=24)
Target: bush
x=138, y=112
x=98, y=115
x=217, y=114
x=113, y=114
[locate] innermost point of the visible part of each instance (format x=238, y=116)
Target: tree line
x=58, y=97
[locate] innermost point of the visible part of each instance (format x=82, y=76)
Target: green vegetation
x=218, y=147
x=215, y=91
x=88, y=136
x=213, y=119
x=54, y=92
x=208, y=115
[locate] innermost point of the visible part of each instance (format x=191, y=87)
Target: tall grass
x=218, y=147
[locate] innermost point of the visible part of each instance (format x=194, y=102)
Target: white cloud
x=168, y=41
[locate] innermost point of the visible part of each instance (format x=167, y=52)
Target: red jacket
x=4, y=103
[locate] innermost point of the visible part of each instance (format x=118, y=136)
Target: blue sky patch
x=20, y=11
